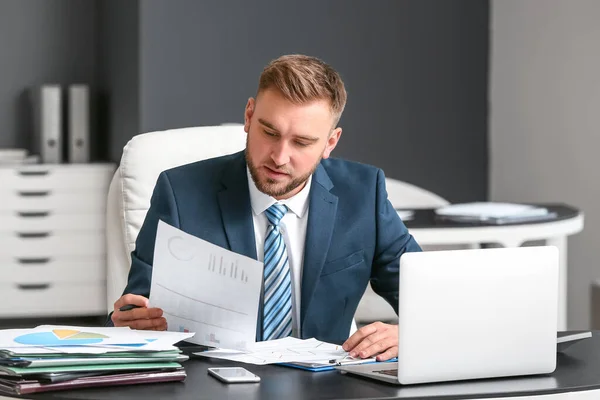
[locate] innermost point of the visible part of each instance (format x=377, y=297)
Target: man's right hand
x=138, y=318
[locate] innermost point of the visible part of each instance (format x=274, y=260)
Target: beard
x=270, y=186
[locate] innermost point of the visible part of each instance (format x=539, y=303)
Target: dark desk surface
x=426, y=218
x=578, y=369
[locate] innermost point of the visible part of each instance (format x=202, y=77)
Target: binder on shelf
x=79, y=124
x=48, y=123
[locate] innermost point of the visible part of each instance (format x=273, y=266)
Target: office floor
x=33, y=322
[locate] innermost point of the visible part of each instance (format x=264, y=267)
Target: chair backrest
x=405, y=195
x=144, y=157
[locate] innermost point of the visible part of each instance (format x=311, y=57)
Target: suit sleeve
x=162, y=207
x=393, y=240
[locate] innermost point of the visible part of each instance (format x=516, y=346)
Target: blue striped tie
x=277, y=310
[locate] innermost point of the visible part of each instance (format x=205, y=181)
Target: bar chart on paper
x=217, y=265
x=206, y=289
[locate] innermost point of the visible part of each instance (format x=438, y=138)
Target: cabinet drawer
x=45, y=299
x=47, y=221
x=54, y=200
x=36, y=270
x=48, y=177
x=51, y=244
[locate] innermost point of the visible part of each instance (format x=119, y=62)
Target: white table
x=428, y=230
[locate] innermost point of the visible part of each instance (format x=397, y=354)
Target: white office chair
x=406, y=195
x=144, y=157
x=402, y=195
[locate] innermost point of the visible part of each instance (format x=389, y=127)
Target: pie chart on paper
x=60, y=337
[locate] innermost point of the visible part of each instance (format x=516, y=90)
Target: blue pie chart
x=51, y=340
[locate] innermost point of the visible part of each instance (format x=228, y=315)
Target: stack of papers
x=310, y=354
x=17, y=157
x=494, y=213
x=49, y=358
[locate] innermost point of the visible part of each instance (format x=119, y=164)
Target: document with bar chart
x=206, y=289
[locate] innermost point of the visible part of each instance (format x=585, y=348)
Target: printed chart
x=60, y=337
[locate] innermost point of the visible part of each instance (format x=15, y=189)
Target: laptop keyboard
x=392, y=372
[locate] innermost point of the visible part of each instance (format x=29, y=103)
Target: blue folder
x=329, y=366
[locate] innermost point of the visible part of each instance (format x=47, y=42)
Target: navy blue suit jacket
x=353, y=234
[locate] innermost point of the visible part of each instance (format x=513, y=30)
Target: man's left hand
x=374, y=339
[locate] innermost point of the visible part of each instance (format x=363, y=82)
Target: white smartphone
x=233, y=375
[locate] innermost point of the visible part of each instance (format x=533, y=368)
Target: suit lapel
x=236, y=210
x=321, y=218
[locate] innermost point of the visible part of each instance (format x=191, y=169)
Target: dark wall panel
x=119, y=74
x=415, y=70
x=446, y=97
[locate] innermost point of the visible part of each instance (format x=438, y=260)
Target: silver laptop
x=470, y=314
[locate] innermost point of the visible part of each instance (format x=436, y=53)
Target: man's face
x=286, y=141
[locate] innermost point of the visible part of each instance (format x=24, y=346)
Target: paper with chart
x=51, y=339
x=206, y=289
x=58, y=336
x=286, y=350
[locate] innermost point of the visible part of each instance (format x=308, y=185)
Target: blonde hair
x=301, y=79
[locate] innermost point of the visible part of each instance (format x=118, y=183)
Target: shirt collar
x=298, y=204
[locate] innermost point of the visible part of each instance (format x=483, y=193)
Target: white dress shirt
x=293, y=227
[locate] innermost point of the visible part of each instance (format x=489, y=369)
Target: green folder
x=32, y=362
x=17, y=371
x=6, y=353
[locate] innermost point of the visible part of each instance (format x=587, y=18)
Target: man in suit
x=323, y=227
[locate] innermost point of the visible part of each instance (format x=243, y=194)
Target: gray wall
x=118, y=96
x=545, y=96
x=41, y=42
x=416, y=73
x=444, y=91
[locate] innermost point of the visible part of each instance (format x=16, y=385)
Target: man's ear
x=248, y=114
x=332, y=141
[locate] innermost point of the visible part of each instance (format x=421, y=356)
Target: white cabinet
x=52, y=243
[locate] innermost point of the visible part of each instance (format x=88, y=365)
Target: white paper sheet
x=87, y=340
x=89, y=350
x=24, y=351
x=485, y=210
x=155, y=341
x=206, y=289
x=285, y=350
x=60, y=335
x=162, y=340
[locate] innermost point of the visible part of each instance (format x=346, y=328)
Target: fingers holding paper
x=140, y=316
x=376, y=339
